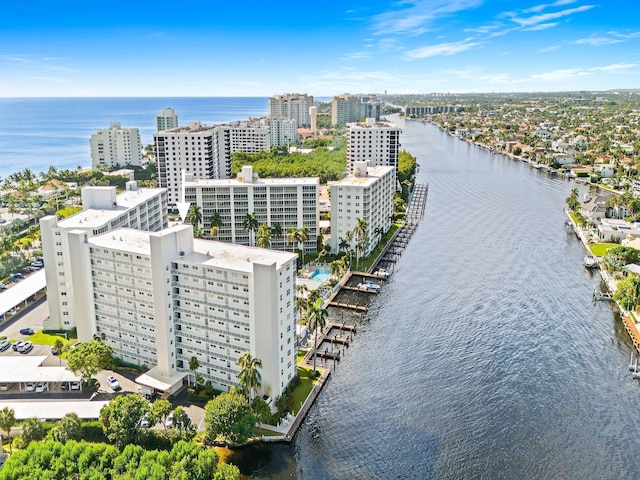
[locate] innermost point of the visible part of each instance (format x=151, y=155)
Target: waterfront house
x=594, y=208
x=616, y=229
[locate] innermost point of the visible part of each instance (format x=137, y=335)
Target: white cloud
x=565, y=74
x=613, y=38
x=355, y=56
x=545, y=17
x=544, y=6
x=541, y=26
x=416, y=16
x=442, y=49
x=550, y=49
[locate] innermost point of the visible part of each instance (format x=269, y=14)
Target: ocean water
x=36, y=133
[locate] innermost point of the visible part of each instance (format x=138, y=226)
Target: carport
x=19, y=295
x=153, y=381
x=22, y=370
x=55, y=410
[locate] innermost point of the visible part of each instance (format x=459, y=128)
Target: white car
x=113, y=383
x=169, y=421
x=40, y=388
x=75, y=385
x=31, y=387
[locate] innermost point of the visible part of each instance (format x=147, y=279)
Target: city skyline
x=419, y=46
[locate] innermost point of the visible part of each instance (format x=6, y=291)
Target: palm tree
x=249, y=376
x=250, y=224
x=276, y=230
x=292, y=237
x=194, y=215
x=7, y=421
x=360, y=234
x=194, y=365
x=302, y=235
x=216, y=223
x=264, y=236
x=343, y=245
x=316, y=320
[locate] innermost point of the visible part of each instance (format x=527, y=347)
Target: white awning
x=28, y=369
x=158, y=381
x=54, y=410
x=19, y=292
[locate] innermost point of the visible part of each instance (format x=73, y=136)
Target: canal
x=483, y=356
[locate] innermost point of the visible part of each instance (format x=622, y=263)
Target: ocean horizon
x=37, y=132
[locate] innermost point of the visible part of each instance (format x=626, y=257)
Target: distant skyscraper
x=352, y=108
x=201, y=150
x=283, y=131
x=250, y=137
x=166, y=120
x=293, y=106
x=313, y=114
x=115, y=146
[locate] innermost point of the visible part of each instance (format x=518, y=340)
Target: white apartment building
x=289, y=202
x=375, y=142
x=366, y=194
x=352, y=108
x=161, y=298
x=102, y=211
x=250, y=137
x=115, y=146
x=201, y=150
x=291, y=106
x=283, y=131
x=166, y=120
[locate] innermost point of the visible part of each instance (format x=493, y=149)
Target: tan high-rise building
x=293, y=106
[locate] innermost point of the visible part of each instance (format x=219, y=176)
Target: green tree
x=216, y=223
x=7, y=421
x=88, y=358
x=159, y=411
x=407, y=165
x=181, y=420
x=264, y=236
x=194, y=215
x=227, y=471
x=32, y=430
x=573, y=201
x=249, y=377
x=68, y=428
x=194, y=365
x=250, y=225
x=229, y=417
x=291, y=237
x=316, y=320
x=276, y=230
x=120, y=419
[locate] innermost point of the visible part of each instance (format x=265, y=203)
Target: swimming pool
x=320, y=274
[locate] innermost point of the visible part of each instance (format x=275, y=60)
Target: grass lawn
x=574, y=217
x=259, y=432
x=41, y=338
x=600, y=249
x=301, y=392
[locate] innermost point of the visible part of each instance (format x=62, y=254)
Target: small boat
x=633, y=363
x=590, y=261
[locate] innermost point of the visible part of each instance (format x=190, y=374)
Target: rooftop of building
x=205, y=252
x=226, y=182
x=372, y=123
x=373, y=175
x=193, y=127
x=94, y=218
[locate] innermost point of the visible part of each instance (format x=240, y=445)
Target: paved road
x=33, y=316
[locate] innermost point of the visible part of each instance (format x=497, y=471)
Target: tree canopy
x=88, y=358
x=229, y=417
x=81, y=460
x=120, y=419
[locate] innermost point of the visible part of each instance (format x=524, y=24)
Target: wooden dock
x=328, y=354
x=344, y=326
x=359, y=308
x=632, y=330
x=363, y=290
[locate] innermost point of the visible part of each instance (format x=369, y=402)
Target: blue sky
x=248, y=48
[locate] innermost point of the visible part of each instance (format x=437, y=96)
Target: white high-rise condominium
x=201, y=150
x=288, y=202
x=250, y=137
x=352, y=108
x=102, y=211
x=372, y=141
x=166, y=120
x=366, y=194
x=292, y=106
x=163, y=298
x=115, y=146
x=283, y=131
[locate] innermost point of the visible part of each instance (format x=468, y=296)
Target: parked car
x=4, y=387
x=4, y=344
x=26, y=347
x=113, y=383
x=18, y=345
x=25, y=271
x=64, y=386
x=75, y=385
x=31, y=387
x=144, y=421
x=2, y=286
x=40, y=388
x=37, y=264
x=27, y=331
x=169, y=421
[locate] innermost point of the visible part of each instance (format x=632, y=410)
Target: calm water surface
x=484, y=356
